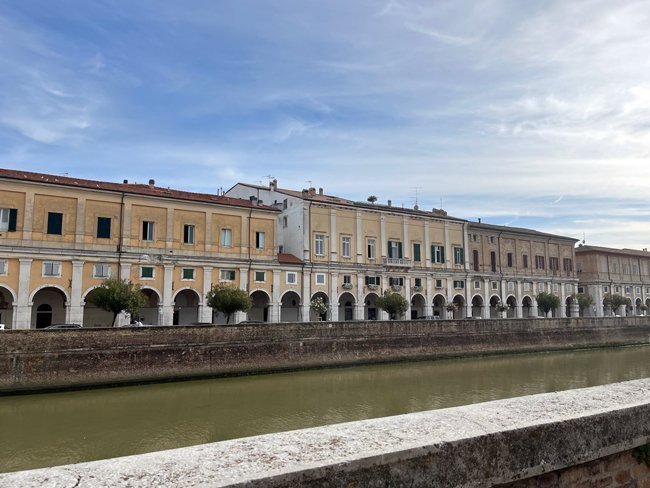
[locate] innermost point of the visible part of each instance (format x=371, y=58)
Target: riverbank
x=36, y=360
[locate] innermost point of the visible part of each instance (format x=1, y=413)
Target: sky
x=521, y=113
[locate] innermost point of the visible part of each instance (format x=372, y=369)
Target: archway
x=290, y=307
x=418, y=306
x=567, y=306
x=527, y=304
x=186, y=307
x=511, y=301
x=637, y=307
x=477, y=305
x=93, y=315
x=494, y=301
x=346, y=306
x=149, y=313
x=6, y=308
x=459, y=307
x=259, y=311
x=48, y=307
x=315, y=316
x=439, y=307
x=370, y=311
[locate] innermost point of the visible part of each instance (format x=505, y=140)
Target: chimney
x=479, y=220
x=152, y=183
x=312, y=191
x=390, y=203
x=305, y=193
x=320, y=191
x=253, y=199
x=273, y=185
x=125, y=182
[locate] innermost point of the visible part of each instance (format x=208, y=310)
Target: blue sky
x=523, y=113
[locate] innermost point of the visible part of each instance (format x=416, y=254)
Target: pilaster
x=205, y=312
x=75, y=312
x=166, y=310
x=23, y=309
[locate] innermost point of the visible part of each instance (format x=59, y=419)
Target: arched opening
x=186, y=307
x=511, y=301
x=527, y=304
x=637, y=307
x=477, y=306
x=494, y=301
x=647, y=307
x=346, y=306
x=259, y=311
x=49, y=307
x=95, y=316
x=439, y=306
x=370, y=311
x=459, y=307
x=607, y=309
x=567, y=306
x=418, y=306
x=149, y=313
x=290, y=307
x=6, y=308
x=314, y=316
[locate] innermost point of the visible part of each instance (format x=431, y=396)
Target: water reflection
x=58, y=428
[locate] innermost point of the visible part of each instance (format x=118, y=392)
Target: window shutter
x=442, y=254
x=378, y=281
x=367, y=281
x=144, y=229
x=399, y=249
x=13, y=217
x=416, y=252
x=433, y=254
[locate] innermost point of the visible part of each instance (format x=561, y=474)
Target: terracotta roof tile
x=131, y=188
x=286, y=258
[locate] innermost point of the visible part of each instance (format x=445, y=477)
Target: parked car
x=63, y=326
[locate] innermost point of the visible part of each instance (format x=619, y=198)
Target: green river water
x=59, y=428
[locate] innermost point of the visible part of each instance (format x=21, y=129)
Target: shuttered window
x=103, y=228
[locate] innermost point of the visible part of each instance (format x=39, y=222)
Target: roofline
x=520, y=230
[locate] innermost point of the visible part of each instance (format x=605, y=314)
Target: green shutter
x=416, y=252
x=442, y=254
x=13, y=217
x=433, y=254
x=399, y=250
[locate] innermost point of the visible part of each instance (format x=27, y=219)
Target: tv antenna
x=416, y=188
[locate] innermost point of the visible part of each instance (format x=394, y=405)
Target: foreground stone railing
x=488, y=444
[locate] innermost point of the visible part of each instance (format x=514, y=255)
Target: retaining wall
x=576, y=438
x=38, y=359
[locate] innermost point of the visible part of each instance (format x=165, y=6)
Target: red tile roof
x=131, y=188
x=286, y=258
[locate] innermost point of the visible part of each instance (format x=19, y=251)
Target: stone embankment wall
x=577, y=438
x=37, y=359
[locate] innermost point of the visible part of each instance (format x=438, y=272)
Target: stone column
x=598, y=301
x=166, y=310
x=274, y=313
x=468, y=298
x=124, y=274
x=428, y=307
x=407, y=293
x=23, y=309
x=75, y=312
x=520, y=306
x=334, y=304
x=359, y=308
x=306, y=295
x=205, y=312
x=562, y=300
x=486, y=298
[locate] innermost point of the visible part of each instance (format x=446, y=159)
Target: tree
x=393, y=304
x=118, y=296
x=372, y=198
x=228, y=300
x=547, y=302
x=614, y=302
x=584, y=300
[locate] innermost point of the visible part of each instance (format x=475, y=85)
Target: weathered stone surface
x=34, y=359
x=477, y=445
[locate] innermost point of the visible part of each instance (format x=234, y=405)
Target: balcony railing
x=401, y=262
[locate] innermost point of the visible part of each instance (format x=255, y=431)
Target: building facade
x=60, y=237
x=606, y=271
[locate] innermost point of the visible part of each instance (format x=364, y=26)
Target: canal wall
x=592, y=437
x=40, y=360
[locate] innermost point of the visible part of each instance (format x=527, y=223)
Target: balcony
x=397, y=262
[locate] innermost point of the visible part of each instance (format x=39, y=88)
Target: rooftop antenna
x=584, y=238
x=269, y=177
x=416, y=188
x=310, y=183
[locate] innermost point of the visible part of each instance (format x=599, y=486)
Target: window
x=511, y=286
x=638, y=290
x=438, y=283
x=102, y=270
x=474, y=237
x=292, y=277
x=148, y=230
x=606, y=289
x=394, y=249
x=475, y=261
x=146, y=272
x=8, y=218
x=581, y=289
x=555, y=287
x=525, y=260
x=493, y=261
x=617, y=289
x=578, y=267
x=628, y=289
x=284, y=222
x=371, y=249
x=188, y=234
x=495, y=285
x=3, y=267
x=373, y=280
x=226, y=237
x=51, y=268
x=528, y=286
x=416, y=252
x=259, y=240
x=418, y=282
x=438, y=253
x=459, y=284
x=491, y=239
x=347, y=279
x=459, y=255
x=509, y=257
x=103, y=228
x=345, y=246
x=320, y=278
x=227, y=275
x=540, y=286
x=285, y=204
x=539, y=262
x=187, y=274
x=477, y=285
x=260, y=276
x=319, y=244
x=54, y=223
x=396, y=281
x=567, y=264
x=553, y=264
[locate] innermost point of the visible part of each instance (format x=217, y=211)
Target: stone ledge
x=476, y=445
